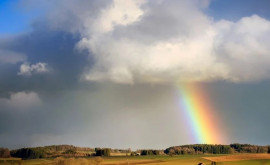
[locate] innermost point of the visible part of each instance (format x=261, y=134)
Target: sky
x=106, y=73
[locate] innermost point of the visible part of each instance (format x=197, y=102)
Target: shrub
x=133, y=154
x=4, y=153
x=150, y=152
x=103, y=152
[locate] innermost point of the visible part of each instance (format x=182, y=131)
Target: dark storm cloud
x=56, y=48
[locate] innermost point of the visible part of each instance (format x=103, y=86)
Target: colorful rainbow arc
x=201, y=116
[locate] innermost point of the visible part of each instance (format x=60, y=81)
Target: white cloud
x=164, y=44
x=121, y=12
x=243, y=47
x=165, y=41
x=28, y=70
x=21, y=100
x=10, y=57
x=175, y=41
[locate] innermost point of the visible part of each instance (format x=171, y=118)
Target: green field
x=151, y=160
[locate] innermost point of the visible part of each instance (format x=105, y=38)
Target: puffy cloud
x=28, y=70
x=21, y=100
x=243, y=47
x=175, y=41
x=11, y=57
x=165, y=41
x=121, y=12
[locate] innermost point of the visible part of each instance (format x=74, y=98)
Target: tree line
x=51, y=151
x=29, y=153
x=72, y=151
x=46, y=152
x=248, y=148
x=216, y=149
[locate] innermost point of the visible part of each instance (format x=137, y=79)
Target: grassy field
x=240, y=159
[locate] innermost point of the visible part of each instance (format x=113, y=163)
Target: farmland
x=232, y=159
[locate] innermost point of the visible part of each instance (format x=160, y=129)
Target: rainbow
x=201, y=118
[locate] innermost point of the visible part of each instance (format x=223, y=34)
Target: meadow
x=232, y=159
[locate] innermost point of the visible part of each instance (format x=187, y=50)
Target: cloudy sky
x=103, y=73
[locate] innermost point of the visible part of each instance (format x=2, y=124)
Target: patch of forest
x=73, y=151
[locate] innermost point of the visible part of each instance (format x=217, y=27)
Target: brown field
x=5, y=161
x=235, y=159
x=119, y=154
x=238, y=157
x=133, y=162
